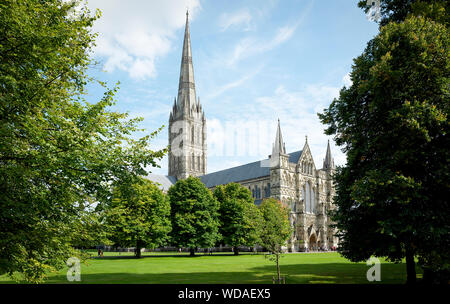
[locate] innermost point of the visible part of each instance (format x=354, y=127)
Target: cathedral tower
x=187, y=123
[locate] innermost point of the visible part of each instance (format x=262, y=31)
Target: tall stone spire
x=328, y=162
x=278, y=146
x=186, y=87
x=187, y=122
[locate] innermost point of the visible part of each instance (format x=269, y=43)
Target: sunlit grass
x=176, y=268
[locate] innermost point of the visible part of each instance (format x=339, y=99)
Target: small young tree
x=239, y=217
x=139, y=216
x=194, y=215
x=276, y=228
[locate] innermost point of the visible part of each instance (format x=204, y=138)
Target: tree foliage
x=239, y=217
x=399, y=10
x=58, y=152
x=392, y=195
x=194, y=215
x=276, y=228
x=138, y=216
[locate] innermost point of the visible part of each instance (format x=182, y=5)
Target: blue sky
x=254, y=62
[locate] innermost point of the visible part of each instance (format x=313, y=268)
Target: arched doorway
x=313, y=242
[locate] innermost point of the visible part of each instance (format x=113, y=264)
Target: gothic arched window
x=313, y=201
x=267, y=190
x=192, y=134
x=308, y=198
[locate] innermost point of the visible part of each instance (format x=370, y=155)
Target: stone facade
x=307, y=191
x=291, y=178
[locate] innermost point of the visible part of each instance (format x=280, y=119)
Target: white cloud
x=297, y=111
x=240, y=19
x=133, y=34
x=222, y=89
x=250, y=46
x=347, y=81
x=222, y=165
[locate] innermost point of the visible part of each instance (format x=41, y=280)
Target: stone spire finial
x=328, y=162
x=278, y=146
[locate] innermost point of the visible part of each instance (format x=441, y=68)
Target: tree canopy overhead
x=58, y=151
x=399, y=10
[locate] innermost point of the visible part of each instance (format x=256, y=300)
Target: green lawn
x=226, y=268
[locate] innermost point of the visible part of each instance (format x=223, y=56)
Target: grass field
x=175, y=268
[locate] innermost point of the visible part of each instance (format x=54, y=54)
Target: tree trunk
x=410, y=267
x=235, y=250
x=192, y=251
x=137, y=252
x=278, y=267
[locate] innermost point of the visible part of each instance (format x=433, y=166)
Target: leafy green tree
x=58, y=152
x=392, y=195
x=399, y=10
x=90, y=228
x=276, y=228
x=239, y=217
x=138, y=216
x=194, y=215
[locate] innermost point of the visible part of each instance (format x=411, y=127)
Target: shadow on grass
x=326, y=273
x=127, y=257
x=338, y=273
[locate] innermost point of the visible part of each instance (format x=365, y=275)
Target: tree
x=239, y=217
x=392, y=195
x=194, y=215
x=90, y=228
x=276, y=228
x=138, y=216
x=58, y=152
x=399, y=10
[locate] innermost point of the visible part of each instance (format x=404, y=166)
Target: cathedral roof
x=235, y=174
x=295, y=156
x=164, y=181
x=244, y=172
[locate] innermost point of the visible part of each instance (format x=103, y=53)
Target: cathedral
x=291, y=178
